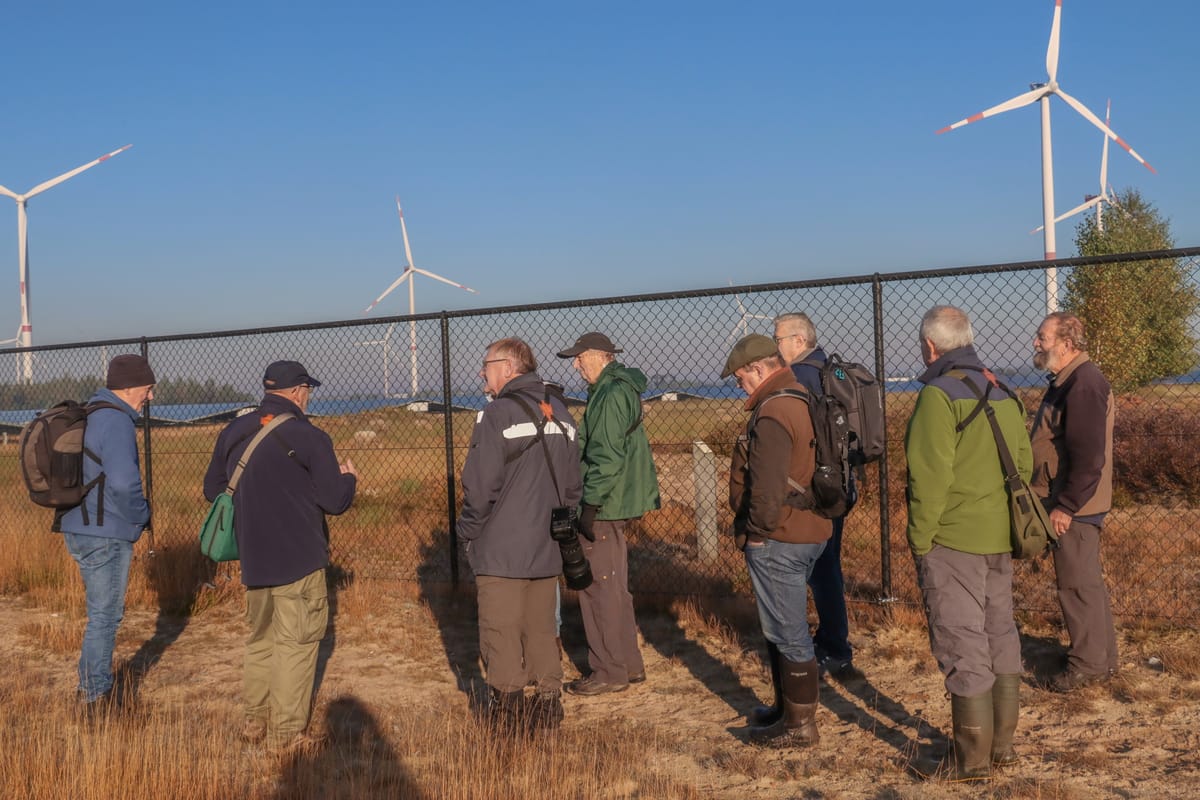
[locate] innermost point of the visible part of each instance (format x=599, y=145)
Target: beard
x=1041, y=359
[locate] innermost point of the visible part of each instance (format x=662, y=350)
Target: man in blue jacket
x=289, y=484
x=796, y=338
x=100, y=532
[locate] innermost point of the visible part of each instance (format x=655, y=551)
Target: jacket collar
x=278, y=404
x=529, y=382
x=1057, y=378
x=776, y=380
x=957, y=358
x=108, y=396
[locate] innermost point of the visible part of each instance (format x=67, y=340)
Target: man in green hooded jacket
x=619, y=485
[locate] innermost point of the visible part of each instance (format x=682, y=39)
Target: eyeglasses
x=779, y=339
x=487, y=361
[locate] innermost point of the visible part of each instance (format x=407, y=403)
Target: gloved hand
x=587, y=518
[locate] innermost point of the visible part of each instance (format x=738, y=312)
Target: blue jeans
x=829, y=598
x=104, y=566
x=779, y=573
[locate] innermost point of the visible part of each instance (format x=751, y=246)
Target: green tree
x=1138, y=314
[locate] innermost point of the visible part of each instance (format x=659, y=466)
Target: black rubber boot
x=797, y=726
x=973, y=723
x=545, y=711
x=800, y=691
x=507, y=712
x=761, y=716
x=1006, y=706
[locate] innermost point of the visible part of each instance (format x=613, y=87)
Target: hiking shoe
x=299, y=744
x=1071, y=679
x=253, y=730
x=592, y=686
x=545, y=711
x=836, y=667
x=638, y=677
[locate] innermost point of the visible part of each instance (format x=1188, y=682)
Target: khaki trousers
x=516, y=633
x=287, y=624
x=607, y=606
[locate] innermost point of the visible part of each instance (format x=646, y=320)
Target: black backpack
x=51, y=452
x=855, y=388
x=831, y=493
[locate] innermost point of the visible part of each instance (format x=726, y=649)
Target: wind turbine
x=743, y=324
x=1106, y=194
x=1042, y=92
x=386, y=342
x=25, y=332
x=409, y=274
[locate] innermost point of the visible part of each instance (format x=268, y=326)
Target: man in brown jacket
x=781, y=543
x=1072, y=471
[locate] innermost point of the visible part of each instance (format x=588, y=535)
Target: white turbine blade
x=1025, y=99
x=404, y=233
x=41, y=187
x=1092, y=118
x=5, y=190
x=1104, y=152
x=1052, y=48
x=1077, y=209
x=429, y=274
x=407, y=274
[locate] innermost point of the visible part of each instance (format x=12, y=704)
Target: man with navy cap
x=100, y=532
x=290, y=483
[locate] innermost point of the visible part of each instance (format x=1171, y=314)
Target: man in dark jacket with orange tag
x=292, y=481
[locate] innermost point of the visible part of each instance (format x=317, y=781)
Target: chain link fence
x=400, y=396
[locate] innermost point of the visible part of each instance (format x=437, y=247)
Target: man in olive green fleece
x=619, y=485
x=959, y=532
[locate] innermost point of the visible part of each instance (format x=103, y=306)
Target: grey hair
x=803, y=322
x=947, y=327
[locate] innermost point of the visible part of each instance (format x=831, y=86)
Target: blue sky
x=550, y=151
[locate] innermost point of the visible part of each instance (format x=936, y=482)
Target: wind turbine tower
x=409, y=274
x=25, y=332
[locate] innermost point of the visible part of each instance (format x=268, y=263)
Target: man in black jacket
x=522, y=463
x=291, y=482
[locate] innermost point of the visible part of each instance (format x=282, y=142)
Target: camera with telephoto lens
x=564, y=529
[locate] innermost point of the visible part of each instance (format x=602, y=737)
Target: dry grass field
x=400, y=665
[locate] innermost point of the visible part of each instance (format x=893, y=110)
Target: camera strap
x=541, y=436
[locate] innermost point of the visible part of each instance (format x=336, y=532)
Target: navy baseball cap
x=286, y=374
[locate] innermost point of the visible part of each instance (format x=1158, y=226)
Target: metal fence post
x=149, y=466
x=885, y=528
x=448, y=419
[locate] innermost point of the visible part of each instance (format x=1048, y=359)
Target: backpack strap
x=992, y=380
x=99, y=480
x=1012, y=478
x=799, y=394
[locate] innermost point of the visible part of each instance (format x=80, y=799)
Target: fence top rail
x=890, y=277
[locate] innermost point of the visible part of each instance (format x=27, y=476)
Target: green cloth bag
x=218, y=540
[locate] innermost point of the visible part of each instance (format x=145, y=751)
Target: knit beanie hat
x=129, y=371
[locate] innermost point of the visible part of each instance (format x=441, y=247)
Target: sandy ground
x=1138, y=736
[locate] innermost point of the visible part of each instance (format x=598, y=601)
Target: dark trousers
x=607, y=606
x=516, y=633
x=1084, y=600
x=829, y=597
